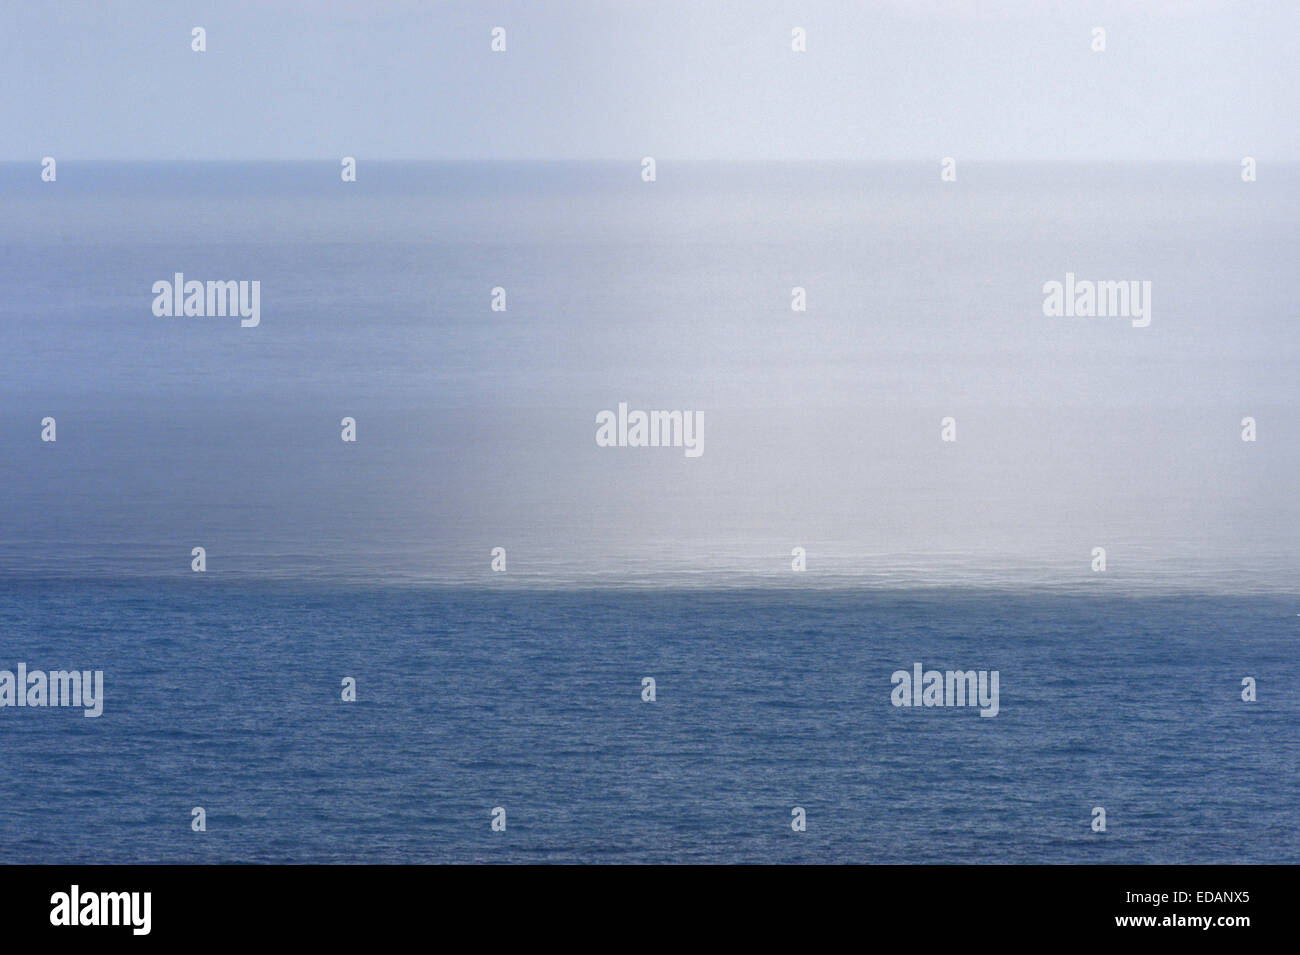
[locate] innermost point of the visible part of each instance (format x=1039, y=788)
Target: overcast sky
x=1194, y=79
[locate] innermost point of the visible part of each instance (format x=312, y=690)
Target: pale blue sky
x=692, y=80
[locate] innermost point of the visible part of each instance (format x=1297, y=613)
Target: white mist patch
x=199, y=299
x=651, y=429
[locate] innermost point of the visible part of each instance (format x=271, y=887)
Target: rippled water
x=476, y=430
x=228, y=697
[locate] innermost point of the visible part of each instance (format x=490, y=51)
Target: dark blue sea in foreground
x=228, y=697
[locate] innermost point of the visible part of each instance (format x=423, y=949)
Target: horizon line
x=1006, y=160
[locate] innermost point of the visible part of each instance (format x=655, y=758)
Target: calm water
x=228, y=698
x=476, y=430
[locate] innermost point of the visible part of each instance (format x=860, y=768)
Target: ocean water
x=227, y=697
x=476, y=430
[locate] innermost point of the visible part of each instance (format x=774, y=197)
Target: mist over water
x=476, y=428
x=656, y=676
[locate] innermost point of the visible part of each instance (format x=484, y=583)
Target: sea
x=498, y=587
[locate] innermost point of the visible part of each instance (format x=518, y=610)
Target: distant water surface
x=476, y=428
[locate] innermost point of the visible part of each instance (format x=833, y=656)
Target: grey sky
x=416, y=80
